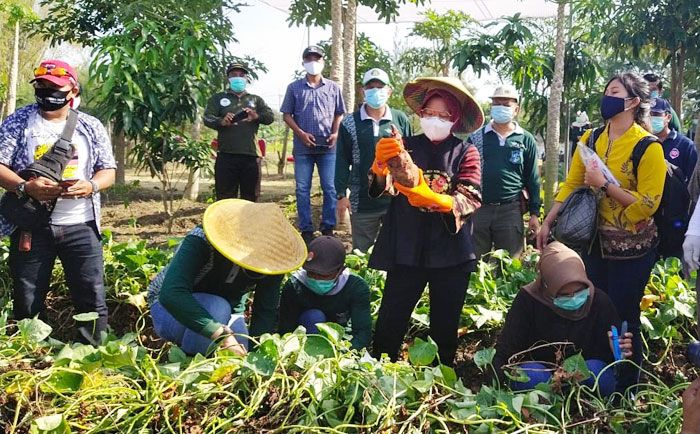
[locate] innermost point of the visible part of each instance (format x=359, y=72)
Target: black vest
x=413, y=237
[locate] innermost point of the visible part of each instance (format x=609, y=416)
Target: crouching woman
x=560, y=306
x=241, y=247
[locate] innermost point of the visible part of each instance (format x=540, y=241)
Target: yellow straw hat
x=472, y=115
x=255, y=236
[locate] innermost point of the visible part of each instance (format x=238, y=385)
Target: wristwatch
x=20, y=189
x=95, y=187
x=604, y=188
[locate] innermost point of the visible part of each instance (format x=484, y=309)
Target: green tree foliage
x=667, y=29
x=318, y=12
x=443, y=32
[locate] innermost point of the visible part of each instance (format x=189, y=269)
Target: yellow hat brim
x=256, y=236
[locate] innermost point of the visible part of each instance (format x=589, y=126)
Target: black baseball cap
x=313, y=49
x=326, y=256
x=660, y=105
x=237, y=65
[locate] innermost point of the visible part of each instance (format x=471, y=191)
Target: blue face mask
x=654, y=94
x=237, y=84
x=657, y=124
x=573, y=302
x=376, y=97
x=501, y=114
x=320, y=287
x=611, y=106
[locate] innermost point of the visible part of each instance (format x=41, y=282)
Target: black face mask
x=51, y=99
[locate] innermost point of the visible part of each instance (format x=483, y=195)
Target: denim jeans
x=624, y=282
x=303, y=172
x=191, y=342
x=80, y=251
x=309, y=319
x=538, y=373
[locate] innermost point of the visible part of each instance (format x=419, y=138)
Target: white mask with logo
x=313, y=68
x=435, y=128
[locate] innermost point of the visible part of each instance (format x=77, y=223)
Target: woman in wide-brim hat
x=241, y=246
x=426, y=237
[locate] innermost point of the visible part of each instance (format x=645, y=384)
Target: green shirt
x=351, y=303
x=508, y=166
x=357, y=138
x=198, y=267
x=240, y=137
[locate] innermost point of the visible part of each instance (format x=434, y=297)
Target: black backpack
x=671, y=217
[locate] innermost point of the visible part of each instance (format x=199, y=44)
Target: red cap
x=59, y=80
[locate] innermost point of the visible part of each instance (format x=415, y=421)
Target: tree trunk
x=192, y=189
x=349, y=36
x=119, y=142
x=554, y=112
x=336, y=41
x=283, y=156
x=14, y=73
x=677, y=71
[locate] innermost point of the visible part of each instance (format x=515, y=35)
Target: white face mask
x=313, y=68
x=435, y=128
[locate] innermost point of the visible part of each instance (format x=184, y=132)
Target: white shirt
x=41, y=136
x=375, y=122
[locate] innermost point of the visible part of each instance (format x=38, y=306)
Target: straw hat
x=472, y=116
x=255, y=236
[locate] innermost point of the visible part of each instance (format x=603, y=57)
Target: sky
x=263, y=32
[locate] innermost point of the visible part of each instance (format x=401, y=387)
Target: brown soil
x=137, y=212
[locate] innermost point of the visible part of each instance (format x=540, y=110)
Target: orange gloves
x=421, y=196
x=386, y=149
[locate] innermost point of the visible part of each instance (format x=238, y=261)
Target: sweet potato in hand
x=401, y=167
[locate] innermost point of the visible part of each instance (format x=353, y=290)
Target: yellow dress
x=617, y=156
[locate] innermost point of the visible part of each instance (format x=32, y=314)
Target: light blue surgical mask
x=376, y=97
x=237, y=84
x=657, y=124
x=572, y=302
x=654, y=94
x=320, y=287
x=502, y=114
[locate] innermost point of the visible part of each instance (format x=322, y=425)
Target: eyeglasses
x=56, y=72
x=429, y=113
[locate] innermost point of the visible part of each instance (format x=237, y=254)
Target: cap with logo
x=237, y=65
x=506, y=91
x=660, y=105
x=57, y=72
x=313, y=49
x=326, y=256
x=376, y=74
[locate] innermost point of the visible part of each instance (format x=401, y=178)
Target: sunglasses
x=56, y=72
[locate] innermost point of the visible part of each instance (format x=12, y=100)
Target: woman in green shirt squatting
x=241, y=246
x=323, y=290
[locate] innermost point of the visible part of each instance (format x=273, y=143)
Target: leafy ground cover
x=134, y=382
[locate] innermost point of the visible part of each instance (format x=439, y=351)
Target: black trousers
x=233, y=172
x=403, y=288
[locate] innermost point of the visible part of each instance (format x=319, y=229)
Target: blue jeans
x=191, y=342
x=80, y=251
x=538, y=373
x=303, y=172
x=624, y=282
x=309, y=319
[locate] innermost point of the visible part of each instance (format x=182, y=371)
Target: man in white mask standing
x=313, y=108
x=509, y=171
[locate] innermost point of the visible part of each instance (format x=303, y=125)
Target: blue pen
x=616, y=343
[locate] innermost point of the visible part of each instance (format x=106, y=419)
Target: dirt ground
x=135, y=211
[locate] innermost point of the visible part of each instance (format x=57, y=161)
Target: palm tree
x=349, y=37
x=551, y=145
x=336, y=41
